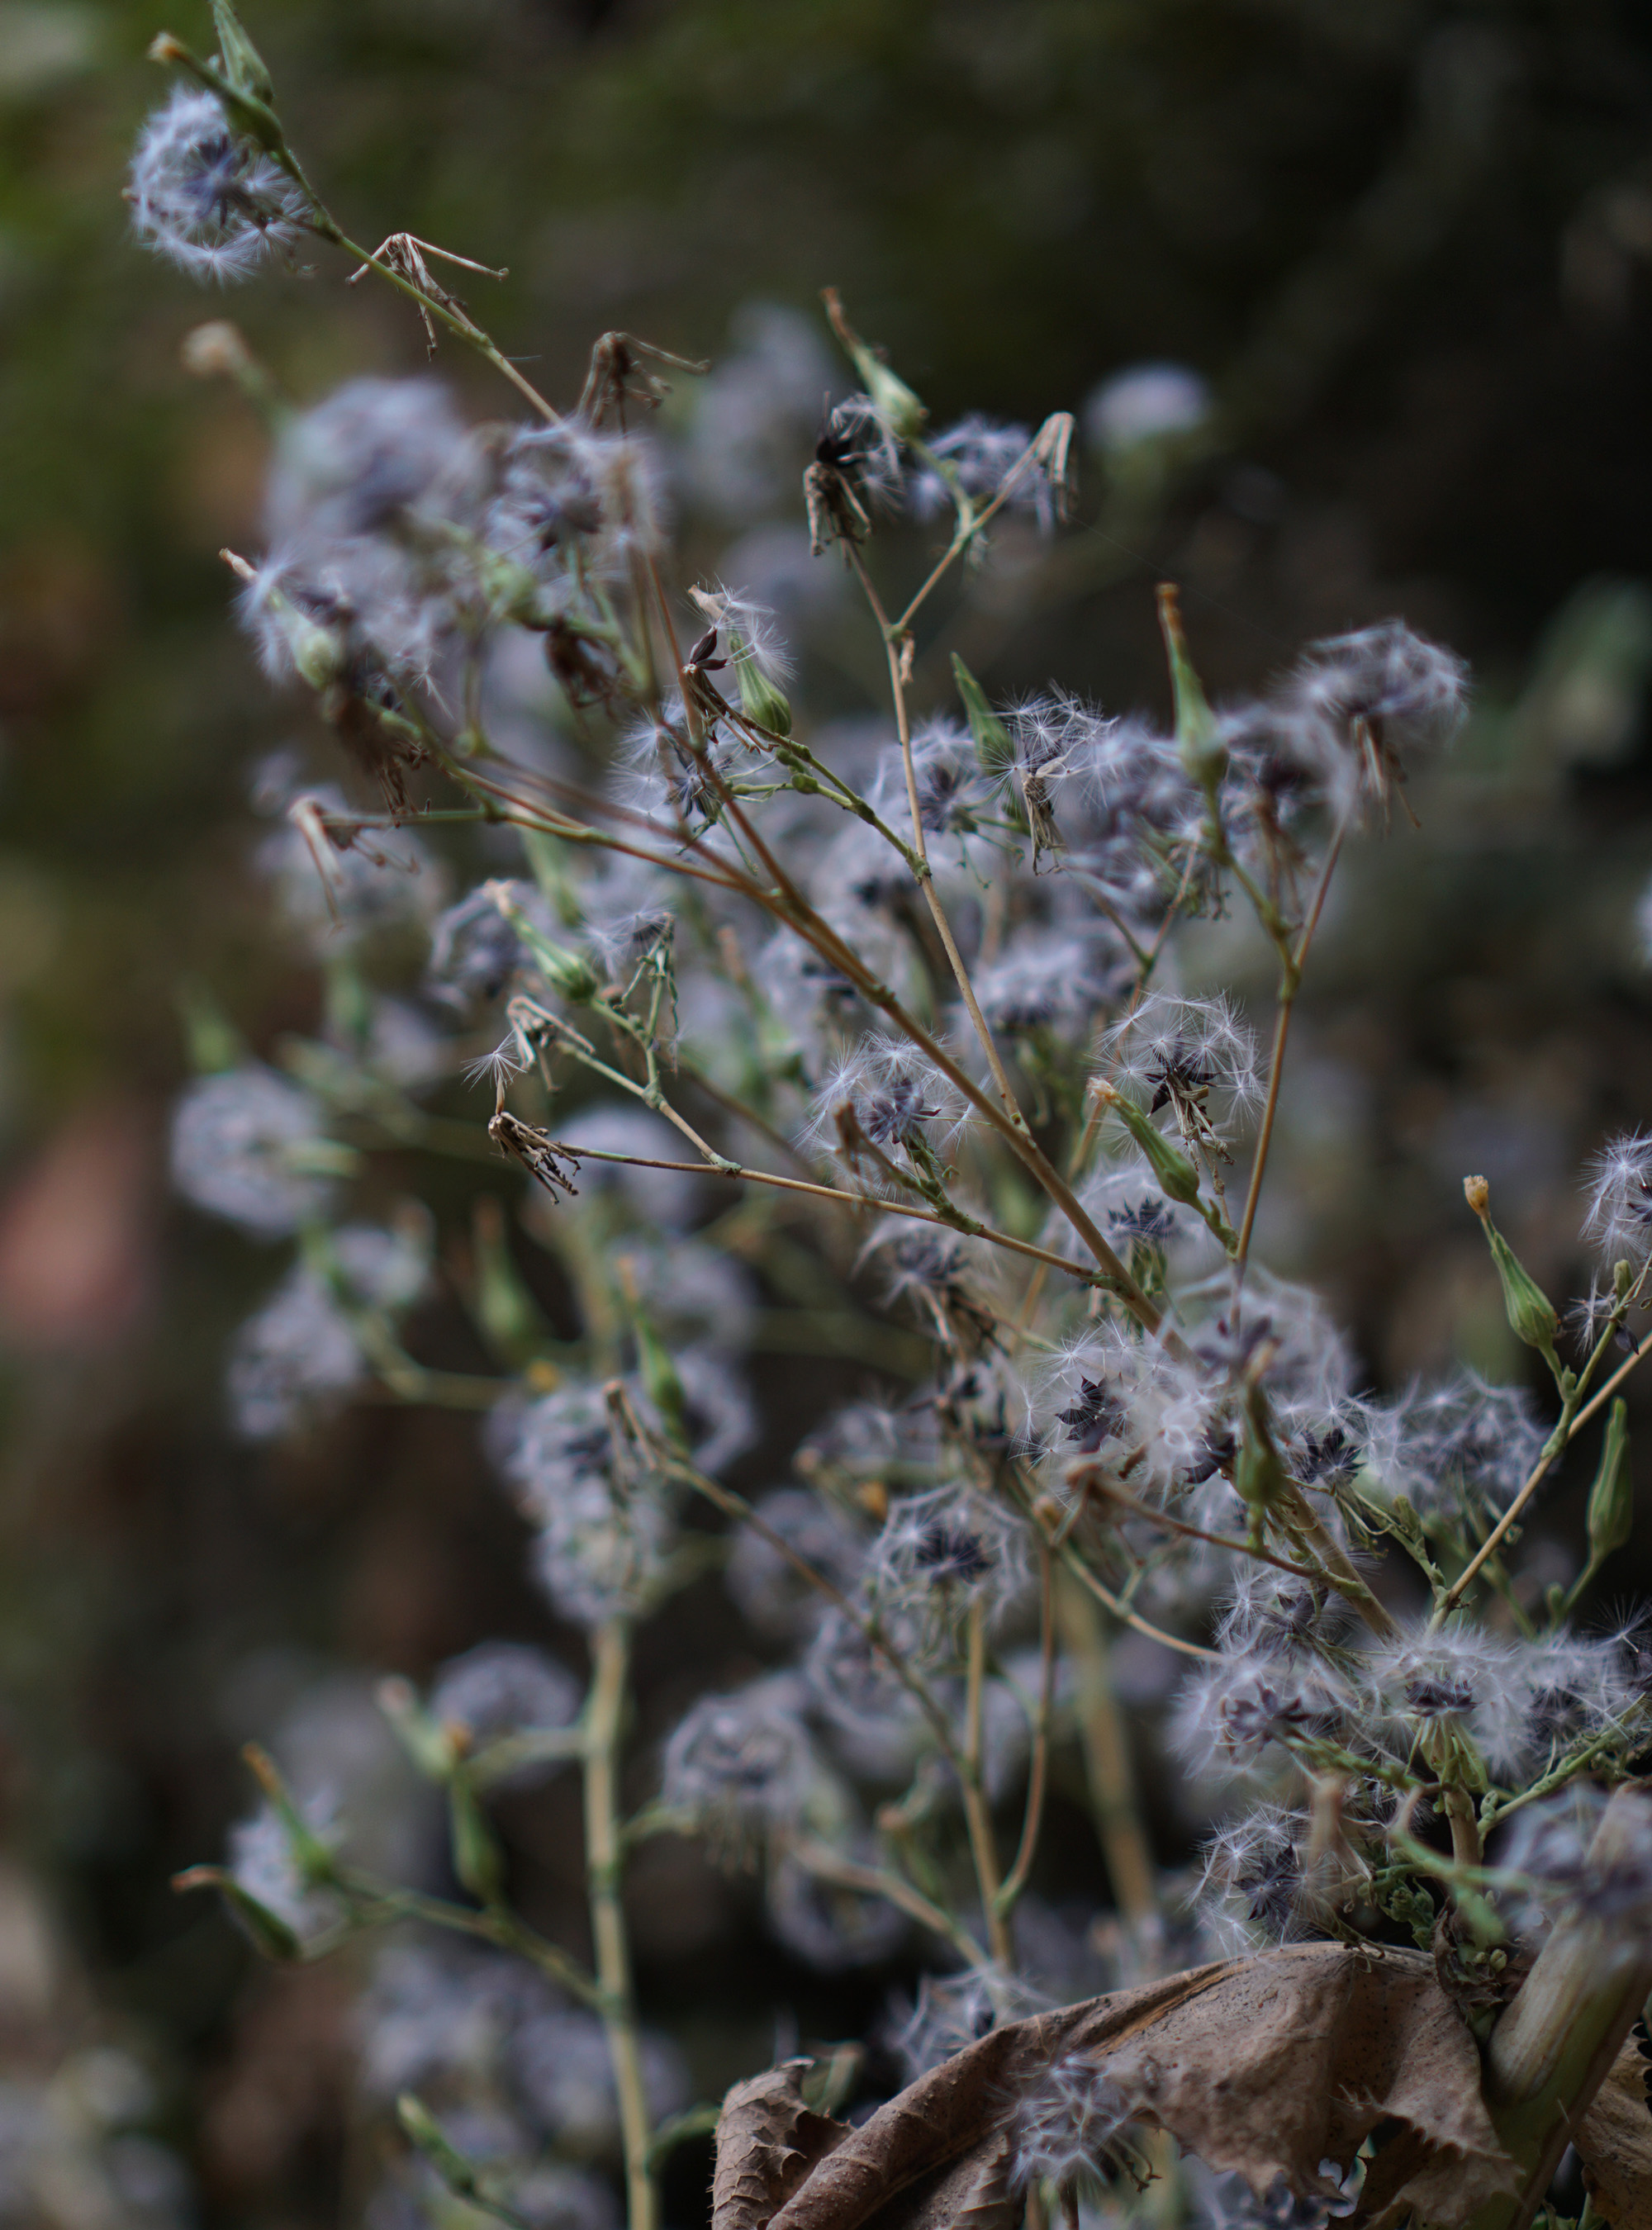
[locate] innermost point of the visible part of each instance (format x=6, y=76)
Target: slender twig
x=1489, y=1546
x=876, y=1881
x=1038, y=1773
x=610, y=1664
x=808, y=924
x=977, y=1812
x=1107, y=1757
x=894, y=644
x=1075, y=1564
x=1290, y=983
x=734, y=1504
x=1093, y=1484
x=739, y=1172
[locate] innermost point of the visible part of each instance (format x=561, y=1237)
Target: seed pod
x=898, y=407
x=243, y=63
x=993, y=748
x=1611, y=1498
x=570, y=971
x=762, y=702
x=1531, y=1314
x=1203, y=754
x=1175, y=1174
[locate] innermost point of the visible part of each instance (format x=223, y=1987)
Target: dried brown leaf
x=1267, y=2066
x=1615, y=2144
x=767, y=2142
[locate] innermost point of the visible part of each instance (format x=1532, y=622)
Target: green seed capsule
x=1611, y=1498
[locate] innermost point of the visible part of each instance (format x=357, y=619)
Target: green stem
x=611, y=1664
x=1125, y=1848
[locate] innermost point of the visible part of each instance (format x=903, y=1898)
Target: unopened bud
x=1203, y=754
x=422, y=2129
x=993, y=748
x=570, y=971
x=425, y=1740
x=1173, y=1173
x=761, y=701
x=655, y=1366
x=1611, y=1498
x=268, y=1931
x=241, y=63
x=1531, y=1314
x=1259, y=1475
x=899, y=410
x=1477, y=1193
x=478, y=1861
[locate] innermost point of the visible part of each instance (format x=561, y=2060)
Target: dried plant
x=919, y=1001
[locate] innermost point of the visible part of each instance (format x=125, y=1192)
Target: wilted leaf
x=1267, y=2066
x=1615, y=2144
x=767, y=2142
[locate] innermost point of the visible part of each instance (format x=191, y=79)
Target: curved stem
x=875, y=1881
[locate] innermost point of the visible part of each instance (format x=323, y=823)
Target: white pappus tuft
x=883, y=1099
x=1067, y=2126
x=262, y=1861
x=251, y=1147
x=945, y=1553
x=742, y=1764
x=952, y=2012
x=504, y=1688
x=1193, y=1056
x=1230, y=1714
x=1465, y=1446
x=302, y=1351
x=1251, y=1887
x=1618, y=1221
x=207, y=198
x=605, y=1523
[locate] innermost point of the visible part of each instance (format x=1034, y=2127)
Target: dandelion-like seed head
x=250, y=1146
x=741, y=1764
x=205, y=198
x=1618, y=1219
x=1194, y=1057
x=1068, y=2125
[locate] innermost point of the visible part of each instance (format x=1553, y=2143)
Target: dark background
x=1410, y=244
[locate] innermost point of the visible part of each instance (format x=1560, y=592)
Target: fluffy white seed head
x=250, y=1146
x=1618, y=1219
x=205, y=198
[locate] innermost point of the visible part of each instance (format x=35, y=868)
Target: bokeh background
x=1409, y=247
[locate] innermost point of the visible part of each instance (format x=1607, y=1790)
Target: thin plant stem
x=894, y=639
x=733, y=1504
x=1074, y=1563
x=797, y=914
x=1290, y=983
x=1107, y=1759
x=876, y=1881
x=496, y=1926
x=1108, y=1493
x=977, y=1811
x=737, y=1172
x=605, y=1842
x=1489, y=1546
x=1038, y=1770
